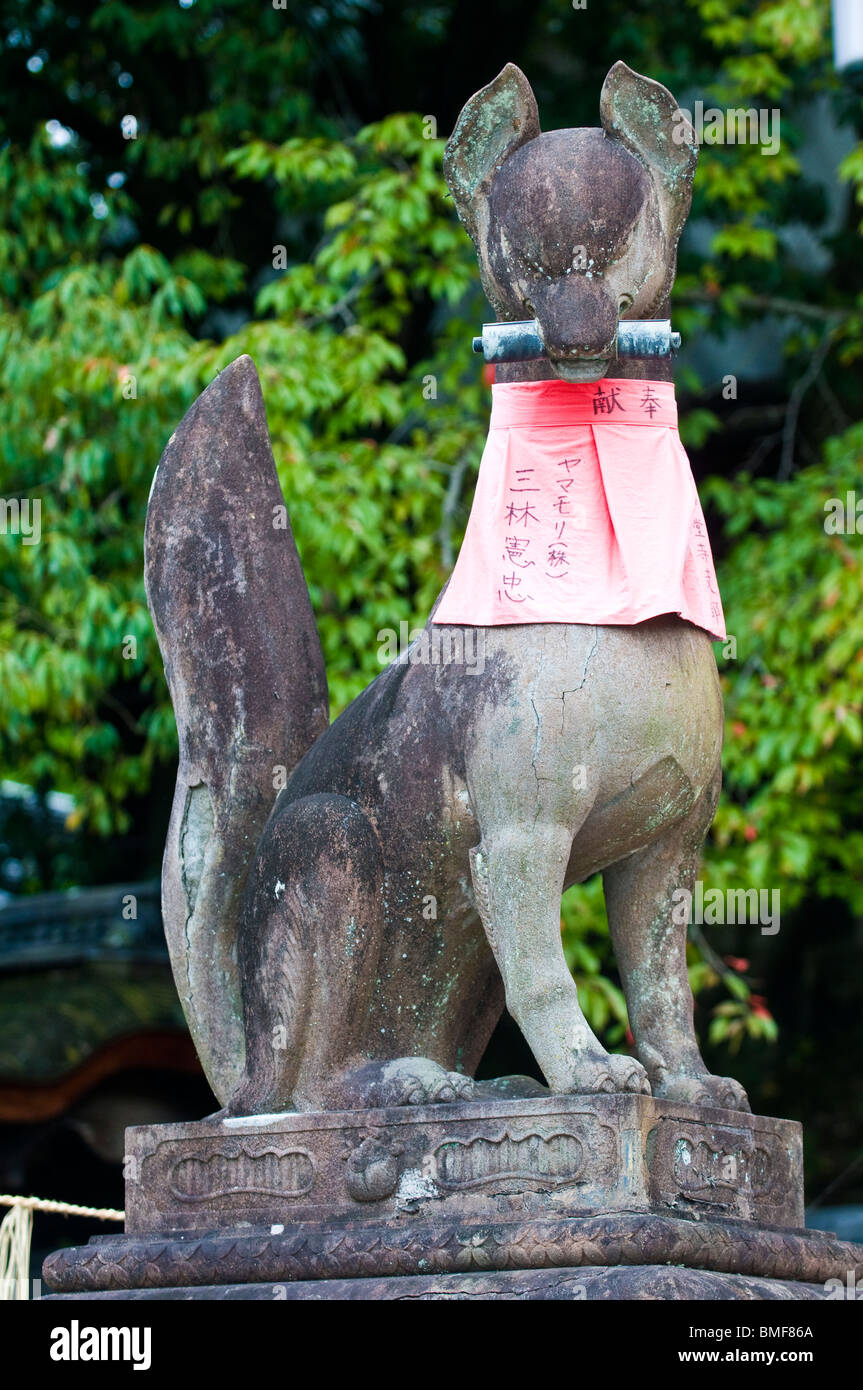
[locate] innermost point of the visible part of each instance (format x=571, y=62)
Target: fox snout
x=578, y=323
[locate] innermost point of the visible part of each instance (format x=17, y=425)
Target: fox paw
x=407, y=1081
x=720, y=1091
x=607, y=1073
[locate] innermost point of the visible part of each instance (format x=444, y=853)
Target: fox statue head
x=576, y=228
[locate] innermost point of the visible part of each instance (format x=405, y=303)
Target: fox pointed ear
x=643, y=116
x=495, y=122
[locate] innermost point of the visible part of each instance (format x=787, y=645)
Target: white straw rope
x=16, y=1230
x=65, y=1208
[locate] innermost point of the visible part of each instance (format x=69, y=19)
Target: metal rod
x=522, y=341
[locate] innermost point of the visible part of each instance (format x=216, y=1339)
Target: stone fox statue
x=352, y=941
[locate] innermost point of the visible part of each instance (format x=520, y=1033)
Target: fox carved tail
x=246, y=674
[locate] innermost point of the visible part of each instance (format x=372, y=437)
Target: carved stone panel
x=271, y=1171
x=750, y=1169
x=485, y=1160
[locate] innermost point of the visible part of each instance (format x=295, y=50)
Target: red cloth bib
x=585, y=511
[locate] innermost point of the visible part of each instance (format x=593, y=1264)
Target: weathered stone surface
x=530, y=201
x=411, y=1245
x=650, y=1282
x=408, y=878
x=348, y=1205
x=499, y=1160
x=244, y=666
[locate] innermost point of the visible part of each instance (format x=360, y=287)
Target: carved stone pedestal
x=549, y=1198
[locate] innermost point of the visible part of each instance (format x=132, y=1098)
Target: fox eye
x=530, y=267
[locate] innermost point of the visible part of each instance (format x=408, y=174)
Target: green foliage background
x=133, y=270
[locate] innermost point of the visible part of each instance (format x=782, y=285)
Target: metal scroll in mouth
x=522, y=341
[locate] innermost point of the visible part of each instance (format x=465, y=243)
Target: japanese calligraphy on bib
x=585, y=511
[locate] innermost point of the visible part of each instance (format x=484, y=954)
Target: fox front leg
x=650, y=947
x=518, y=878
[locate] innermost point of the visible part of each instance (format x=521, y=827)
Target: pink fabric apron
x=585, y=511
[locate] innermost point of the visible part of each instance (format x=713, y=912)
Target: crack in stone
x=537, y=743
x=575, y=688
x=196, y=830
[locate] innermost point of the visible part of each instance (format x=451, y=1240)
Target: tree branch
x=765, y=303
x=801, y=386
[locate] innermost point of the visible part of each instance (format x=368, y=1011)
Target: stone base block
x=563, y=1197
x=647, y=1282
x=309, y=1259
x=552, y=1155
